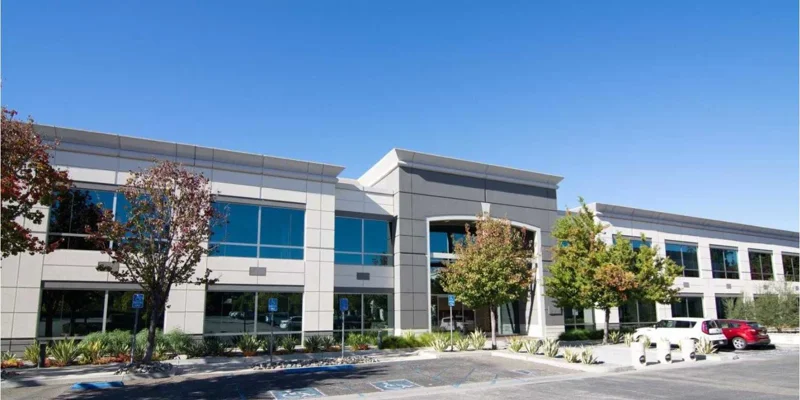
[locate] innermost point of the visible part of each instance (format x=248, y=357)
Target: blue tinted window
x=456, y=238
x=347, y=258
x=76, y=209
x=282, y=226
x=376, y=236
x=724, y=263
x=685, y=256
x=438, y=242
x=242, y=224
x=377, y=259
x=348, y=234
x=285, y=253
x=231, y=250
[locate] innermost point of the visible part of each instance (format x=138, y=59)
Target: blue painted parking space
x=394, y=384
x=303, y=393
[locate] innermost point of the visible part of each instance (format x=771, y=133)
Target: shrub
x=399, y=342
x=477, y=339
x=177, y=341
x=288, y=343
x=93, y=350
x=64, y=352
x=586, y=356
x=704, y=346
x=581, y=334
x=248, y=344
x=628, y=339
x=515, y=344
x=357, y=341
x=462, y=344
x=614, y=336
x=195, y=349
x=313, y=344
x=118, y=342
x=572, y=355
x=8, y=356
x=532, y=346
x=215, y=346
x=329, y=342
x=646, y=340
x=776, y=306
x=426, y=338
x=550, y=347
x=440, y=344
x=31, y=353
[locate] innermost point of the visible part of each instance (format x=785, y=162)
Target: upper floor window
x=686, y=256
x=791, y=267
x=724, y=263
x=73, y=212
x=760, y=265
x=259, y=232
x=636, y=242
x=362, y=241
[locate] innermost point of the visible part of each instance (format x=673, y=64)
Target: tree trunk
x=492, y=316
x=605, y=328
x=151, y=337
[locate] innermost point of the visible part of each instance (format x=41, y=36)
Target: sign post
x=451, y=301
x=137, y=304
x=343, y=306
x=272, y=305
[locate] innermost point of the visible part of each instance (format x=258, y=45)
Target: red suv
x=741, y=333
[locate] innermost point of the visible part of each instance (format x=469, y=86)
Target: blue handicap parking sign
x=396, y=384
x=138, y=300
x=343, y=304
x=302, y=393
x=451, y=300
x=273, y=304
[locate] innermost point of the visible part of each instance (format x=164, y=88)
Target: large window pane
x=352, y=317
x=284, y=253
x=242, y=224
x=694, y=307
x=288, y=318
x=282, y=226
x=348, y=235
x=647, y=312
x=376, y=237
x=691, y=268
x=438, y=242
x=376, y=311
x=70, y=312
x=724, y=263
x=760, y=266
x=347, y=258
x=791, y=267
x=232, y=250
x=122, y=316
x=72, y=213
x=627, y=313
x=229, y=312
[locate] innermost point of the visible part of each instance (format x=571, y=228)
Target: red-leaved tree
x=161, y=240
x=28, y=180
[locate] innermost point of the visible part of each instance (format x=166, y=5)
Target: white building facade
x=299, y=233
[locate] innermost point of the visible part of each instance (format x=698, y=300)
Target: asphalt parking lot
x=370, y=378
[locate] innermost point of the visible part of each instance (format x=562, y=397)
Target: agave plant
x=93, y=350
x=31, y=353
x=462, y=344
x=628, y=339
x=215, y=346
x=329, y=342
x=65, y=352
x=646, y=340
x=515, y=345
x=532, y=346
x=440, y=344
x=248, y=344
x=613, y=337
x=195, y=349
x=313, y=344
x=550, y=348
x=9, y=356
x=477, y=339
x=288, y=343
x=587, y=357
x=572, y=355
x=704, y=346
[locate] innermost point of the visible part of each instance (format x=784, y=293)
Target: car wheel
x=739, y=343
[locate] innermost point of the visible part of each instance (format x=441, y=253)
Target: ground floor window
x=81, y=312
x=248, y=312
x=719, y=302
x=366, y=312
x=688, y=307
x=636, y=313
x=578, y=318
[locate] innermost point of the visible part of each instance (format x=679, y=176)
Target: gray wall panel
x=447, y=185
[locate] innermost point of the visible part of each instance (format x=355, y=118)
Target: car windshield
x=755, y=325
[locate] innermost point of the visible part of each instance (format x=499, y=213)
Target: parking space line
x=457, y=384
x=494, y=380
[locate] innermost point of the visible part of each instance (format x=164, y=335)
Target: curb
x=597, y=369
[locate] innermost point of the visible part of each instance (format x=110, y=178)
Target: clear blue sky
x=682, y=106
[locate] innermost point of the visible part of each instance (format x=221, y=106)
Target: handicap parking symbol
x=303, y=393
x=396, y=384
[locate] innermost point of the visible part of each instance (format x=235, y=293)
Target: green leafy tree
x=588, y=273
x=492, y=267
x=775, y=306
x=163, y=237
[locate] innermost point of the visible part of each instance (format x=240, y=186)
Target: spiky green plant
x=613, y=337
x=515, y=344
x=628, y=339
x=462, y=344
x=118, y=342
x=572, y=355
x=177, y=341
x=646, y=340
x=93, y=350
x=532, y=346
x=248, y=344
x=329, y=342
x=410, y=336
x=705, y=346
x=65, y=352
x=288, y=343
x=9, y=356
x=215, y=346
x=440, y=344
x=587, y=357
x=31, y=353
x=313, y=344
x=550, y=348
x=477, y=339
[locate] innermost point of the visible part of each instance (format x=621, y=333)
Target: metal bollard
x=380, y=340
x=664, y=350
x=638, y=355
x=688, y=350
x=42, y=354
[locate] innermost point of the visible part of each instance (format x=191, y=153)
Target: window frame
x=363, y=253
x=726, y=271
x=214, y=245
x=682, y=262
x=114, y=191
x=791, y=274
x=684, y=302
x=759, y=274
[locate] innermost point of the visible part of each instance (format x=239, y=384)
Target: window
x=576, y=318
x=688, y=307
x=248, y=312
x=724, y=263
x=760, y=265
x=362, y=242
x=791, y=267
x=720, y=301
x=120, y=315
x=686, y=256
x=636, y=242
x=637, y=313
x=259, y=232
x=72, y=212
x=365, y=312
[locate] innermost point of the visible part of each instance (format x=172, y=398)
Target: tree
x=492, y=267
x=776, y=306
x=28, y=180
x=588, y=273
x=159, y=244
